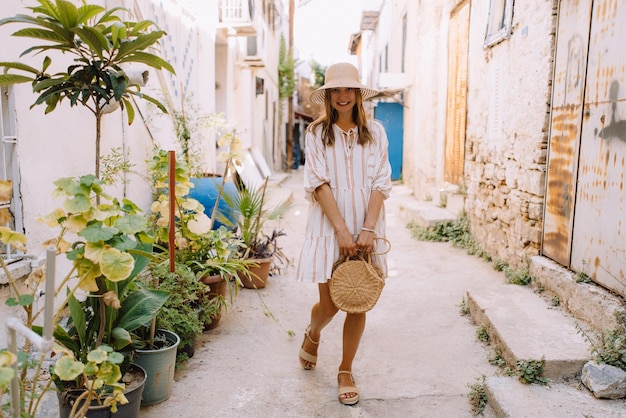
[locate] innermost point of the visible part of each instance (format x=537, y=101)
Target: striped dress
x=352, y=171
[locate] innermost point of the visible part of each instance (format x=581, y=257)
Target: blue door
x=391, y=116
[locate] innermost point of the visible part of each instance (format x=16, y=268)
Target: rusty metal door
x=599, y=247
x=566, y=117
x=585, y=217
x=457, y=93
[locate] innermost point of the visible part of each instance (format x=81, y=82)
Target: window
x=404, y=32
x=10, y=210
x=499, y=22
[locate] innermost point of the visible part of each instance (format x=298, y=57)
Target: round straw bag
x=356, y=284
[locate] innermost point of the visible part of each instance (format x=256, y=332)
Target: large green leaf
x=139, y=27
x=18, y=66
x=130, y=111
x=94, y=39
x=151, y=100
x=131, y=224
x=116, y=265
x=46, y=83
x=78, y=204
x=140, y=43
x=121, y=338
x=78, y=318
x=67, y=13
x=46, y=35
x=110, y=15
x=149, y=59
x=10, y=79
x=97, y=231
x=68, y=369
x=88, y=11
x=140, y=307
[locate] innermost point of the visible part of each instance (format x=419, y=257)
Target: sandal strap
x=348, y=389
x=306, y=334
x=307, y=356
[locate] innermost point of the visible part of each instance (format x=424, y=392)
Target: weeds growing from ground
x=520, y=277
x=477, y=396
x=482, y=334
x=463, y=308
x=608, y=346
x=457, y=232
x=529, y=371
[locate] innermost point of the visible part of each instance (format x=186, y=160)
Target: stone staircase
x=524, y=325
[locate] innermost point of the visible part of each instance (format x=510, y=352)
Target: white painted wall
x=62, y=143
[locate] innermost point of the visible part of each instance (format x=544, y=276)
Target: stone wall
x=509, y=88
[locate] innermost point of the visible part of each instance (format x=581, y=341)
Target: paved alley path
x=417, y=355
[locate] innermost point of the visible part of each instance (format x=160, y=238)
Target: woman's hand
x=347, y=246
x=365, y=242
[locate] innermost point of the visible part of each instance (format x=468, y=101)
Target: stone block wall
x=507, y=132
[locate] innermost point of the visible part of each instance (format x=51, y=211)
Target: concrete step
x=507, y=397
x=525, y=327
x=424, y=214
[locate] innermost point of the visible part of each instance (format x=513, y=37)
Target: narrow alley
x=416, y=359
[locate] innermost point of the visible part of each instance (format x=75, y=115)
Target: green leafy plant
x=106, y=242
x=582, y=277
x=519, y=277
x=463, y=308
x=206, y=251
x=182, y=311
x=477, y=396
x=497, y=360
x=608, y=346
x=482, y=334
x=529, y=371
x=102, y=45
x=251, y=216
x=286, y=71
x=457, y=232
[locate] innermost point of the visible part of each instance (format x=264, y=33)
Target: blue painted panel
x=205, y=191
x=391, y=115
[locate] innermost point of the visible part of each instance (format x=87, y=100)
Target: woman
x=347, y=177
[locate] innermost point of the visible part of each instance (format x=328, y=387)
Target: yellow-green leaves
x=15, y=239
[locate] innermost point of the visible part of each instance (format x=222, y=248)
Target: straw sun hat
x=341, y=75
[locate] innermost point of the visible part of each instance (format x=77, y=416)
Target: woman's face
x=343, y=99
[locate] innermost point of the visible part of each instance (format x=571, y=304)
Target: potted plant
x=257, y=246
x=181, y=312
x=210, y=254
x=104, y=47
x=107, y=246
x=107, y=304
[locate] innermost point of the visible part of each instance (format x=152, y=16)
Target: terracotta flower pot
x=218, y=288
x=255, y=277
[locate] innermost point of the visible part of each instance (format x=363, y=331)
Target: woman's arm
x=365, y=241
x=325, y=198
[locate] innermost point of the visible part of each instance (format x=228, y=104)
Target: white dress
x=352, y=171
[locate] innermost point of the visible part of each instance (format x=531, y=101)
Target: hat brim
x=319, y=95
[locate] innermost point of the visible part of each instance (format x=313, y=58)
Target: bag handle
x=361, y=257
x=388, y=246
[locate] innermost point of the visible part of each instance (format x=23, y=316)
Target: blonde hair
x=330, y=117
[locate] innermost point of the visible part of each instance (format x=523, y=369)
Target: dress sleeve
x=315, y=170
x=382, y=176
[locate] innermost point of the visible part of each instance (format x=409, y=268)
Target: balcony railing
x=236, y=11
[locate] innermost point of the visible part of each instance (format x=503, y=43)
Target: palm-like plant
x=101, y=43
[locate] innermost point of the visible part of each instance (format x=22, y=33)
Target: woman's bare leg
x=321, y=315
x=352, y=331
